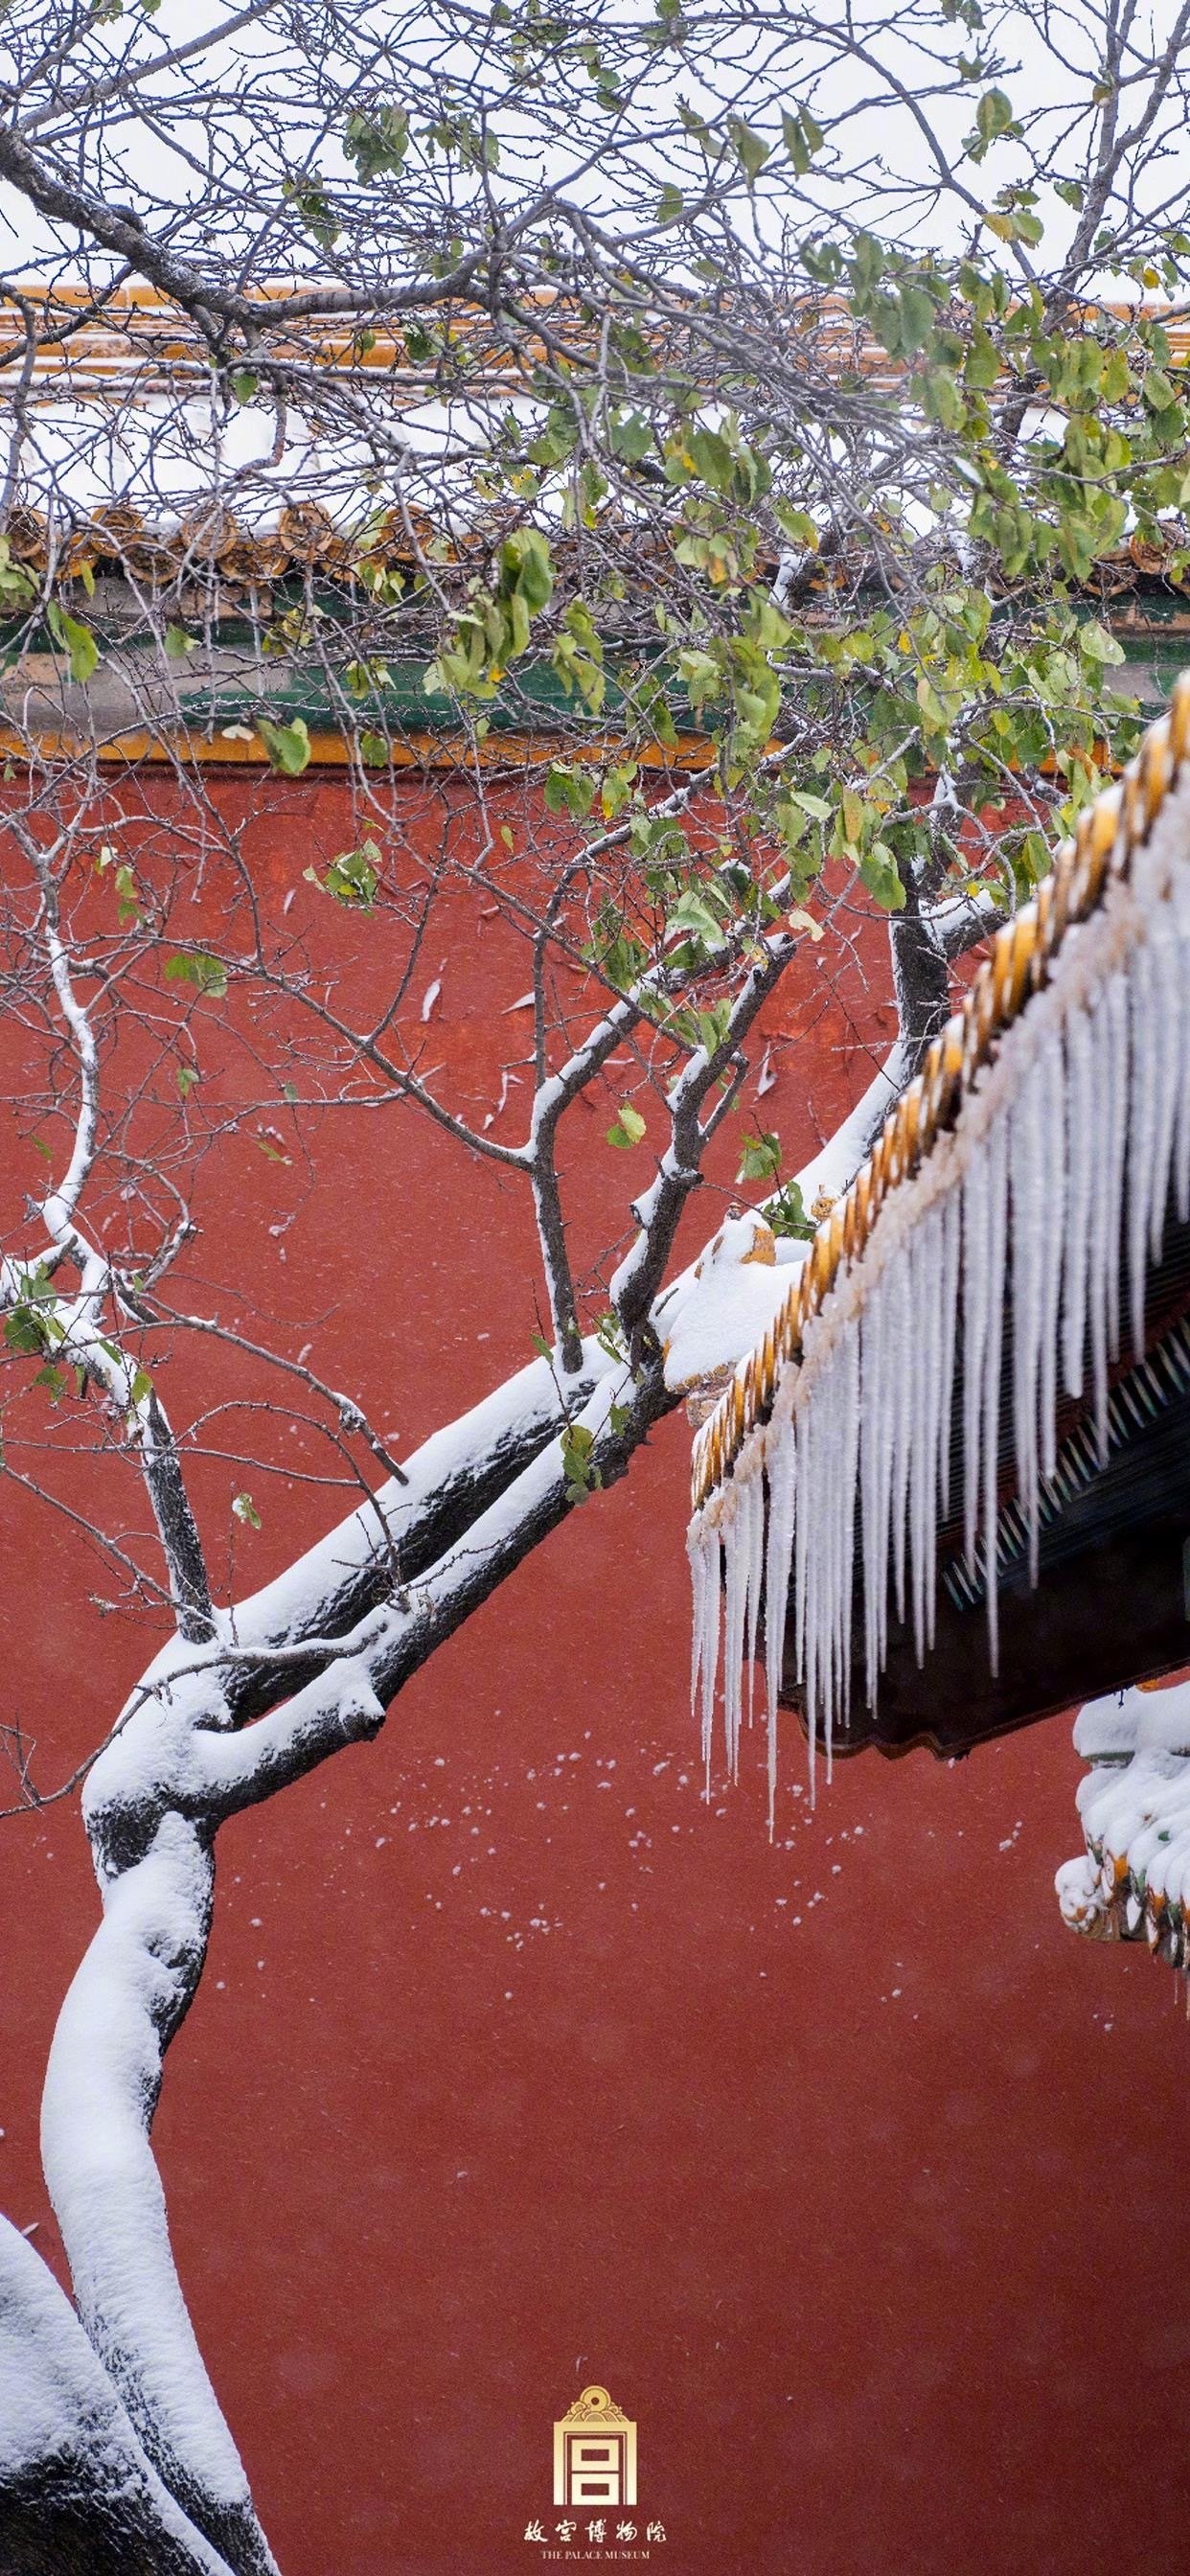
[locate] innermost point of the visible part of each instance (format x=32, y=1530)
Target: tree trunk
x=77, y=2495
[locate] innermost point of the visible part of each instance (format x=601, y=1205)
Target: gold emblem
x=594, y=2453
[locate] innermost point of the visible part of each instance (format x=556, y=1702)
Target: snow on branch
x=78, y=2494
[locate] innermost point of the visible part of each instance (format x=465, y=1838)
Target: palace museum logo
x=595, y=2487
x=594, y=2453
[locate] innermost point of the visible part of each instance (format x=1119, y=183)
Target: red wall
x=853, y=2176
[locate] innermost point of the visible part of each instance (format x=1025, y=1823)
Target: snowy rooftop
x=135, y=448
x=1006, y=1283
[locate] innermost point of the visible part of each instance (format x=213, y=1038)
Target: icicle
x=735, y=1562
x=1116, y=1001
x=976, y=1298
x=781, y=1463
x=870, y=1417
x=1082, y=1103
x=1029, y=1218
x=926, y=1306
x=1145, y=1041
x=755, y=1577
x=997, y=1238
x=927, y=1537
x=884, y=1469
x=805, y=1549
x=827, y=1554
x=835, y=1579
x=696, y=1551
x=840, y=1424
x=813, y=1540
x=805, y=1506
x=1170, y=965
x=1107, y=1102
x=828, y=1614
x=709, y=1657
x=952, y=1211
x=1097, y=1243
x=849, y=1471
x=1052, y=1092
x=903, y=1343
x=1181, y=1145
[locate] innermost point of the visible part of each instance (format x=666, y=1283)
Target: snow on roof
x=1041, y=1141
x=123, y=410
x=1132, y=1883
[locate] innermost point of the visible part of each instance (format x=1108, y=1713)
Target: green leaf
x=760, y=1157
x=377, y=140
x=787, y=1215
x=878, y=869
x=373, y=750
x=630, y=436
x=36, y=1288
x=944, y=401
x=693, y=916
x=77, y=642
x=797, y=140
x=1097, y=646
x=245, y=1510
x=582, y=1475
x=982, y=364
x=569, y=791
x=313, y=206
x=993, y=117
x=796, y=525
x=178, y=643
x=751, y=150
x=526, y=572
x=918, y=316
x=244, y=384
x=713, y=1025
x=24, y=1331
x=208, y=974
x=17, y=587
x=288, y=746
x=1014, y=223
x=628, y=1129
x=609, y=1333
x=187, y=1076
x=352, y=878
x=127, y=897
